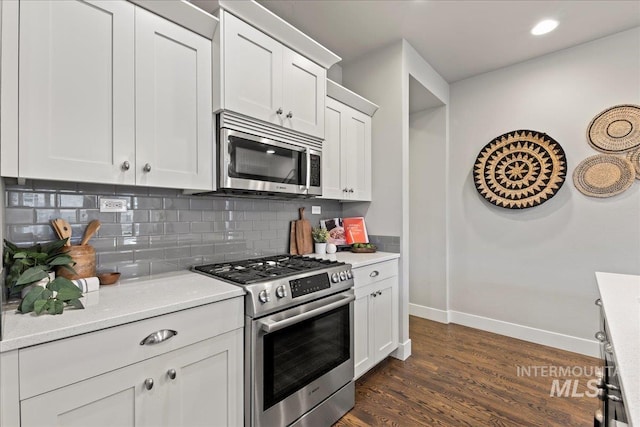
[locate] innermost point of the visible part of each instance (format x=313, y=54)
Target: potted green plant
x=320, y=236
x=30, y=275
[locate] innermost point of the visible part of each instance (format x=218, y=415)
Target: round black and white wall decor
x=520, y=169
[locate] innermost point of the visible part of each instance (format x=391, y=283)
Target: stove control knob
x=343, y=275
x=349, y=275
x=264, y=297
x=335, y=278
x=281, y=291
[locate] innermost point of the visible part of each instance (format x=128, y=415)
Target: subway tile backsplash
x=386, y=243
x=163, y=230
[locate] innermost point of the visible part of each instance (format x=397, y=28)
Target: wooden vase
x=85, y=258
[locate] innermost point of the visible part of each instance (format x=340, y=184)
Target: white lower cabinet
x=193, y=378
x=192, y=386
x=375, y=314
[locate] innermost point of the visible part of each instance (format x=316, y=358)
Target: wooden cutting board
x=304, y=240
x=293, y=247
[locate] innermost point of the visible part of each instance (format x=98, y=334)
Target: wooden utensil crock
x=85, y=259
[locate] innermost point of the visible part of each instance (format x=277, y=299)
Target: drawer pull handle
x=158, y=336
x=172, y=374
x=374, y=273
x=148, y=383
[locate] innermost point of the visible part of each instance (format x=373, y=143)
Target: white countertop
x=620, y=295
x=358, y=260
x=113, y=305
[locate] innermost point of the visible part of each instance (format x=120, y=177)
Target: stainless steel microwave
x=250, y=164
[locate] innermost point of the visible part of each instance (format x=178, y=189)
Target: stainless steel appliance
x=299, y=363
x=611, y=410
x=256, y=159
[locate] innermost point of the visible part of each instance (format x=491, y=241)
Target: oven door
x=301, y=357
x=251, y=163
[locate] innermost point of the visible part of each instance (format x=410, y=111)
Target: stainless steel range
x=299, y=362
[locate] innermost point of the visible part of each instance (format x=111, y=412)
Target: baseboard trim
x=437, y=315
x=513, y=330
x=403, y=351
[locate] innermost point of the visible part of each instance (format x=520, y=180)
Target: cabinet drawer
x=52, y=365
x=372, y=273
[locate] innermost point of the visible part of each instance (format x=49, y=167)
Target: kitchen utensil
x=304, y=241
x=63, y=229
x=293, y=248
x=109, y=278
x=92, y=228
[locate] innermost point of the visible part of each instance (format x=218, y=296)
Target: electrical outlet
x=113, y=205
x=316, y=210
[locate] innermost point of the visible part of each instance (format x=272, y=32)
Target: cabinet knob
x=600, y=336
x=374, y=273
x=125, y=165
x=598, y=302
x=345, y=189
x=608, y=348
x=147, y=167
x=373, y=295
x=379, y=293
x=172, y=374
x=289, y=115
x=148, y=383
x=351, y=190
x=279, y=111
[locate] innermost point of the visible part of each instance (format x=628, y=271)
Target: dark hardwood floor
x=459, y=376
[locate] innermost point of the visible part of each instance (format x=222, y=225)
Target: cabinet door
x=357, y=155
x=304, y=94
x=252, y=71
x=362, y=333
x=174, y=135
x=76, y=90
x=207, y=388
x=335, y=133
x=385, y=318
x=117, y=398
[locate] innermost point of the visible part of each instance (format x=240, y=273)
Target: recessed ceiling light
x=543, y=27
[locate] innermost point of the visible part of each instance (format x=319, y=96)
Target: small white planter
x=321, y=248
x=42, y=283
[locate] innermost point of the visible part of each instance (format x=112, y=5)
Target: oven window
x=299, y=354
x=263, y=162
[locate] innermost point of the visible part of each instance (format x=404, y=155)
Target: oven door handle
x=269, y=326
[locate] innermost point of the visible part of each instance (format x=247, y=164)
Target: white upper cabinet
x=111, y=93
x=263, y=79
x=174, y=145
x=346, y=170
x=76, y=90
x=252, y=71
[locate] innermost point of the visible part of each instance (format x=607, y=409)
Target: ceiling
x=459, y=39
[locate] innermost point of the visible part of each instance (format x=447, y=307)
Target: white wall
x=427, y=213
x=378, y=77
x=535, y=267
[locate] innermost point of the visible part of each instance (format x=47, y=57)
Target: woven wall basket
x=634, y=157
x=616, y=129
x=603, y=175
x=520, y=169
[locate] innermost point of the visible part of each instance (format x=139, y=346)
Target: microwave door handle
x=269, y=326
x=308, y=181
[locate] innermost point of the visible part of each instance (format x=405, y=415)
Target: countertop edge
x=80, y=326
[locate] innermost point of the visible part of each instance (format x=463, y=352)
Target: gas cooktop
x=255, y=270
x=278, y=282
